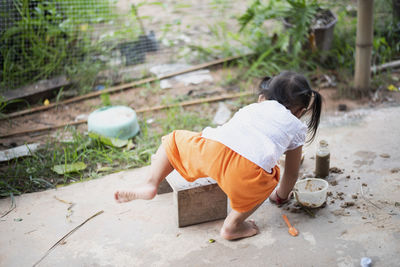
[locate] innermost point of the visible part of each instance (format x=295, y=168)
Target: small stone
x=364, y=218
x=223, y=114
x=335, y=170
x=347, y=204
x=333, y=183
x=165, y=84
x=364, y=184
x=384, y=155
x=329, y=193
x=395, y=170
x=348, y=177
x=354, y=196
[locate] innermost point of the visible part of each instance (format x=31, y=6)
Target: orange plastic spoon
x=293, y=231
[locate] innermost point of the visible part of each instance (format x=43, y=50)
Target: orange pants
x=245, y=183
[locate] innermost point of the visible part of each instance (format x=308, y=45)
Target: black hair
x=293, y=91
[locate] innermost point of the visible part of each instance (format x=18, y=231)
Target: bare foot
x=244, y=229
x=146, y=191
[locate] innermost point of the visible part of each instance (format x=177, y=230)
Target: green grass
x=34, y=173
x=49, y=39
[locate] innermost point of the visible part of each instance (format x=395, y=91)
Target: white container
x=311, y=192
x=114, y=121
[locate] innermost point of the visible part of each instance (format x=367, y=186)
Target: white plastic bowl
x=311, y=192
x=114, y=121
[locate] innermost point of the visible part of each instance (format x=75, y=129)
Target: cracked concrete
x=144, y=233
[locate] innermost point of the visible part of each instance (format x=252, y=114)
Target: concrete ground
x=364, y=144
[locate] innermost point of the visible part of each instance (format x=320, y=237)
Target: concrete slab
x=143, y=233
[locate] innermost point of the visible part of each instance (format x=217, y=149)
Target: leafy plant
x=297, y=15
x=386, y=45
x=46, y=37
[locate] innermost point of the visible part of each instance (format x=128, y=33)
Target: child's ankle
x=280, y=195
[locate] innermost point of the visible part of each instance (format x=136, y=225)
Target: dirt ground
x=361, y=217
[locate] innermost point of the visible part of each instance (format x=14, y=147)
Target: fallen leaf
x=211, y=240
x=115, y=142
x=69, y=168
x=104, y=169
x=392, y=88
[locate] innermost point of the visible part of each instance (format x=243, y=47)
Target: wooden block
x=164, y=187
x=197, y=202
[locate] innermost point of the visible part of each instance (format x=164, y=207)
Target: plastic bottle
x=322, y=160
x=365, y=262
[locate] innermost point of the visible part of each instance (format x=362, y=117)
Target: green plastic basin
x=114, y=121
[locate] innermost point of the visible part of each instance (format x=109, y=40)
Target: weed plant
x=48, y=38
x=34, y=173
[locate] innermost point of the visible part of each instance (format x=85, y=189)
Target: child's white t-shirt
x=260, y=132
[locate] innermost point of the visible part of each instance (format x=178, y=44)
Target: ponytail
x=292, y=90
x=315, y=110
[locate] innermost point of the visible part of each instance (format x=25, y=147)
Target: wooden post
x=364, y=44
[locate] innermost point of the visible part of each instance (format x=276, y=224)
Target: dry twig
x=65, y=237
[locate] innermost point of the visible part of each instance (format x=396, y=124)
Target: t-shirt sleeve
x=298, y=140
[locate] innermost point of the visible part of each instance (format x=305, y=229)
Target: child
x=242, y=154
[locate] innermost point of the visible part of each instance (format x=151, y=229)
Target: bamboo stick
x=119, y=87
x=362, y=76
x=142, y=110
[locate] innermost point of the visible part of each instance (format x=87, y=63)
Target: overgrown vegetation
x=35, y=173
x=41, y=39
x=276, y=47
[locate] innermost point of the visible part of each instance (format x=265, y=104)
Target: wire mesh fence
x=110, y=41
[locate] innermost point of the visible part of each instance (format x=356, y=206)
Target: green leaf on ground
x=109, y=141
x=104, y=169
x=130, y=145
x=69, y=168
